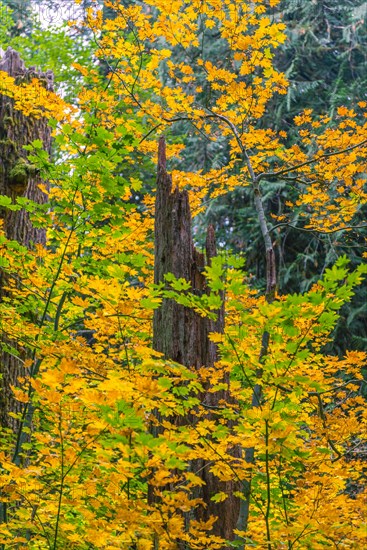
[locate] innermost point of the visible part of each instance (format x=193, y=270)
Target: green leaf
x=6, y=202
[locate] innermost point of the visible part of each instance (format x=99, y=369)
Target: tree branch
x=265, y=175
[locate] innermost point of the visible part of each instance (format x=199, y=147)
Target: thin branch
x=265, y=175
x=323, y=419
x=346, y=228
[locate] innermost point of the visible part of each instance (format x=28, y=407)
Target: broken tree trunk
x=18, y=178
x=180, y=333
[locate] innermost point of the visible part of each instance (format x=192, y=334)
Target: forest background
x=108, y=441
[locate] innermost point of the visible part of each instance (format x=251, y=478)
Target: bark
x=18, y=178
x=181, y=334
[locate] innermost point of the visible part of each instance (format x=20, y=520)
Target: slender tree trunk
x=18, y=178
x=181, y=334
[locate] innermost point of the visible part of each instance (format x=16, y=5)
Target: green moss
x=20, y=172
x=6, y=142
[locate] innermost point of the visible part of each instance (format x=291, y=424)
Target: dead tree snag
x=18, y=178
x=180, y=333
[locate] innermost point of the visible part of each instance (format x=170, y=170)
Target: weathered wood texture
x=18, y=178
x=17, y=175
x=180, y=333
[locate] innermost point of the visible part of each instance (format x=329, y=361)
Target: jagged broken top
x=11, y=63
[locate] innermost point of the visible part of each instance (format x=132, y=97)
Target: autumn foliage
x=100, y=424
